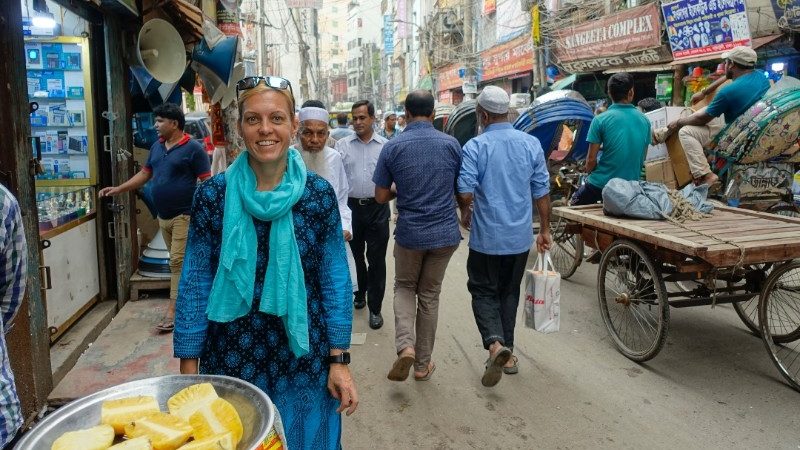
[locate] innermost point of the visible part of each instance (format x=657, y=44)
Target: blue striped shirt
x=13, y=261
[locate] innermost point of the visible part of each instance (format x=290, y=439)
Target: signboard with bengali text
x=510, y=58
x=706, y=27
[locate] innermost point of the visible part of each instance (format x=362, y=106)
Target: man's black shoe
x=375, y=321
x=359, y=303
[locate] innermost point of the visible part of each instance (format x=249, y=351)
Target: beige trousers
x=693, y=138
x=175, y=232
x=418, y=282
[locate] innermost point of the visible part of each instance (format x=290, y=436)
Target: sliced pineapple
x=139, y=443
x=190, y=399
x=96, y=438
x=217, y=417
x=218, y=442
x=165, y=432
x=123, y=411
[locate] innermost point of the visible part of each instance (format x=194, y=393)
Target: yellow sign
x=536, y=31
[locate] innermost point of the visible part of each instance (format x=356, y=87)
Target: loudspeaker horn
x=230, y=91
x=219, y=60
x=213, y=86
x=160, y=51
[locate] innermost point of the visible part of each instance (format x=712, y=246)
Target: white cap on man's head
x=494, y=100
x=745, y=56
x=388, y=114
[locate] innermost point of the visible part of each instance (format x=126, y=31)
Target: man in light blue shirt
x=503, y=171
x=341, y=129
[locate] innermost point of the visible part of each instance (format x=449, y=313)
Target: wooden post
x=120, y=132
x=28, y=339
x=677, y=85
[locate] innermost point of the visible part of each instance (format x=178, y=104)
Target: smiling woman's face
x=267, y=127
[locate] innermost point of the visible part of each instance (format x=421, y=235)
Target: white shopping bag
x=542, y=296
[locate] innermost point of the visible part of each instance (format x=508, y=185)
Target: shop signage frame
x=448, y=78
x=788, y=13
x=706, y=27
x=640, y=58
x=626, y=32
x=507, y=59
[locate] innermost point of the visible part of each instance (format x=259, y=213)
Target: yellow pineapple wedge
x=218, y=442
x=190, y=399
x=97, y=438
x=166, y=432
x=139, y=443
x=217, y=417
x=123, y=411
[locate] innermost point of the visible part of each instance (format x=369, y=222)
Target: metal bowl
x=254, y=407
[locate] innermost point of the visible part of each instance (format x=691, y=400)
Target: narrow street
x=712, y=386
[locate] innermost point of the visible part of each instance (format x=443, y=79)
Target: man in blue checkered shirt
x=13, y=262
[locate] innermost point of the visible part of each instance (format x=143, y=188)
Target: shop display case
x=59, y=206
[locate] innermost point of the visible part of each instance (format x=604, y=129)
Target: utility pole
x=303, y=57
x=468, y=44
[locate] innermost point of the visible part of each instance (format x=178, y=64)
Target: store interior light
x=778, y=66
x=44, y=20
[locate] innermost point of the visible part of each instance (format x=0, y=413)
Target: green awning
x=425, y=82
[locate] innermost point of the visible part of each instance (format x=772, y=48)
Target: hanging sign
x=788, y=13
x=706, y=27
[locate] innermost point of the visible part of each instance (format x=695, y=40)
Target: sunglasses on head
x=273, y=82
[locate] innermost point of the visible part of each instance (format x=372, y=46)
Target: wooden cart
x=735, y=256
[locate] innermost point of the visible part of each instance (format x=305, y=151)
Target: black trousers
x=494, y=282
x=370, y=236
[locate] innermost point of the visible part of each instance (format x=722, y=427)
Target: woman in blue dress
x=265, y=293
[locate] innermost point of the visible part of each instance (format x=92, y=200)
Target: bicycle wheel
x=748, y=310
x=567, y=249
x=633, y=301
x=779, y=318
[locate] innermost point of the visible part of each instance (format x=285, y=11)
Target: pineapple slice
x=97, y=438
x=218, y=442
x=217, y=417
x=190, y=399
x=139, y=443
x=165, y=432
x=123, y=411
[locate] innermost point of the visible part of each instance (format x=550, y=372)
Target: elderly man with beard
x=327, y=163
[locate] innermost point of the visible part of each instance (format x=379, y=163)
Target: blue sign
x=788, y=13
x=703, y=27
x=388, y=35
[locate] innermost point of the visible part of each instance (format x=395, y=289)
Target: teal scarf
x=284, y=291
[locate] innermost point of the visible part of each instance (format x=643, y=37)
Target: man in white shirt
x=327, y=163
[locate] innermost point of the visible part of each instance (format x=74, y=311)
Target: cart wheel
x=567, y=249
x=633, y=300
x=748, y=310
x=779, y=317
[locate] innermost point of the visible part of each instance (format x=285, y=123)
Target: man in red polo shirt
x=175, y=164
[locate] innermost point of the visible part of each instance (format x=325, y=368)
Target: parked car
x=198, y=126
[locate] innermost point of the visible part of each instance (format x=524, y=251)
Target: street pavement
x=712, y=386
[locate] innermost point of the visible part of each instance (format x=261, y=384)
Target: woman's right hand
x=189, y=366
x=108, y=191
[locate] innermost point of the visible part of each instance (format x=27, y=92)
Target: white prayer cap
x=388, y=114
x=313, y=113
x=494, y=99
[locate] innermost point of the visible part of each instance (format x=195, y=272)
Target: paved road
x=713, y=385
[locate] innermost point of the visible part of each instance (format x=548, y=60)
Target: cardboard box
x=660, y=171
x=672, y=148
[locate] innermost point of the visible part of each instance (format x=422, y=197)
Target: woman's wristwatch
x=342, y=358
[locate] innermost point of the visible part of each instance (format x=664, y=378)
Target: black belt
x=363, y=201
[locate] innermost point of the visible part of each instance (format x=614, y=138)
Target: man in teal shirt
x=733, y=100
x=624, y=134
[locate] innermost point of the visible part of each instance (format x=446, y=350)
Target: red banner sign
x=448, y=77
x=510, y=58
x=489, y=6
x=628, y=31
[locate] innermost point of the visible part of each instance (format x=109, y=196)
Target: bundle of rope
x=682, y=209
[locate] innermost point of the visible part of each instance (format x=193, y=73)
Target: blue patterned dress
x=255, y=347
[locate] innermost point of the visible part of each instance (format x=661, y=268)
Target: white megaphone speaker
x=220, y=59
x=230, y=91
x=213, y=86
x=160, y=51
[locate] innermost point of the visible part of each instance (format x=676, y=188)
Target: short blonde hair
x=261, y=88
